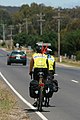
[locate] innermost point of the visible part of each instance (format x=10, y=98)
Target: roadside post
x=17, y=45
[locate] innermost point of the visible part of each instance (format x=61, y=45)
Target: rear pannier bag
x=33, y=89
x=48, y=89
x=55, y=85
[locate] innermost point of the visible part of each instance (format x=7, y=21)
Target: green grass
x=7, y=100
x=10, y=109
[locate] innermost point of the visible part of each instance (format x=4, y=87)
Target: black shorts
x=37, y=70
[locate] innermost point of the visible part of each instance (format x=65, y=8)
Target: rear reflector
x=41, y=84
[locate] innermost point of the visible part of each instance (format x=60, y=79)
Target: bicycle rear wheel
x=47, y=102
x=39, y=100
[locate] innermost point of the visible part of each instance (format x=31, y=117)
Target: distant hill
x=10, y=9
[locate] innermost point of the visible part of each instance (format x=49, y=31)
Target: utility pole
x=59, y=33
x=3, y=32
x=58, y=17
x=11, y=34
x=11, y=29
x=3, y=29
x=41, y=20
x=20, y=28
x=26, y=25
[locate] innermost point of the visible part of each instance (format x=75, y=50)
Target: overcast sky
x=53, y=3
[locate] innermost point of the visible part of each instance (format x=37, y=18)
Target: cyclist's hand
x=30, y=73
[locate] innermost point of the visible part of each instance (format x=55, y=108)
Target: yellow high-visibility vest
x=51, y=61
x=40, y=60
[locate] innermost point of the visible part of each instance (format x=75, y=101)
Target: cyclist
x=51, y=62
x=39, y=62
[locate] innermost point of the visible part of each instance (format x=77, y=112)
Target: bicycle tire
x=47, y=102
x=39, y=100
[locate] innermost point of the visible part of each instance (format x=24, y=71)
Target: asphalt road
x=64, y=105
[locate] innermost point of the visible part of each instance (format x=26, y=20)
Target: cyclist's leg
x=45, y=71
x=35, y=75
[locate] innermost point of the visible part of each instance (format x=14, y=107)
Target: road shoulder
x=9, y=106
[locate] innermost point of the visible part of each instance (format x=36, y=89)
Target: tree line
x=25, y=25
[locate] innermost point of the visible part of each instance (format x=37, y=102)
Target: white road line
x=75, y=81
x=26, y=102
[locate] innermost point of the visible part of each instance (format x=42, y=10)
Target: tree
x=5, y=17
x=74, y=24
x=20, y=38
x=30, y=40
x=71, y=42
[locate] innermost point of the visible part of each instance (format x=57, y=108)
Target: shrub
x=3, y=44
x=78, y=55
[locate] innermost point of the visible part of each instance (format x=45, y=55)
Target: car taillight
x=23, y=56
x=12, y=57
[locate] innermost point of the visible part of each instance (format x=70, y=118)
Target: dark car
x=17, y=56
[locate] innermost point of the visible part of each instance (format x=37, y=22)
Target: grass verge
x=9, y=107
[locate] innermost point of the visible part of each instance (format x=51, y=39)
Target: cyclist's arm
x=47, y=63
x=54, y=67
x=31, y=65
